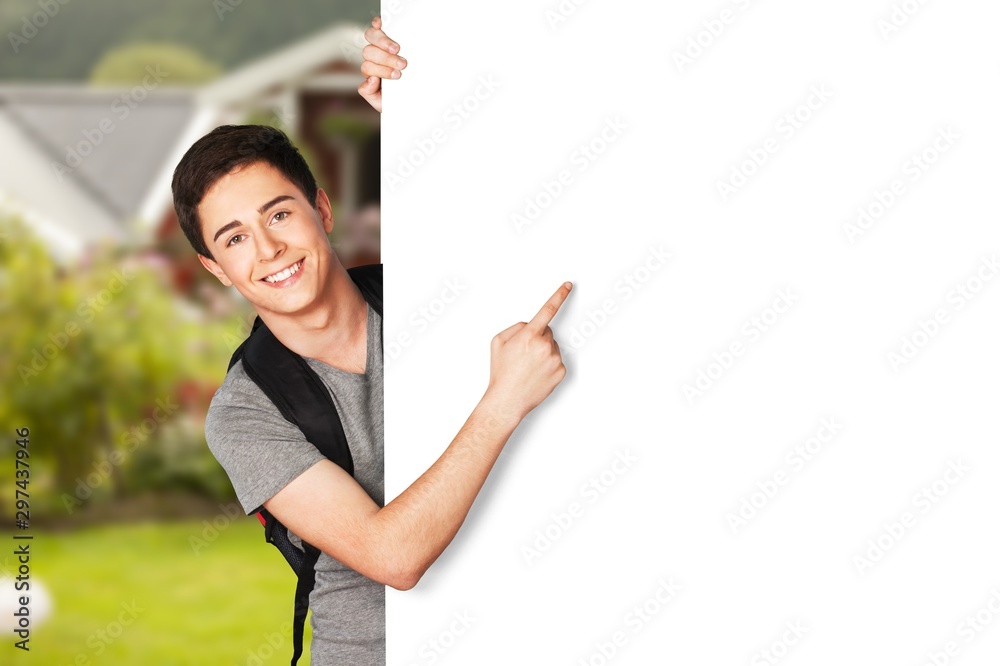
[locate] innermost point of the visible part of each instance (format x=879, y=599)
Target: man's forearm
x=396, y=544
x=420, y=523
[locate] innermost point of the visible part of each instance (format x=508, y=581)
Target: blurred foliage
x=228, y=32
x=341, y=126
x=111, y=370
x=127, y=65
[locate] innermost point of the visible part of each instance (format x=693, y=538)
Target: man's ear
x=325, y=209
x=215, y=270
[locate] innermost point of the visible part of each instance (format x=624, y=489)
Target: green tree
x=228, y=32
x=96, y=360
x=129, y=64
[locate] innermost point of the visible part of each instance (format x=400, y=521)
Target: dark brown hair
x=222, y=151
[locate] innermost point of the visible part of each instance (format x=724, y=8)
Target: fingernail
x=394, y=48
x=568, y=285
x=396, y=73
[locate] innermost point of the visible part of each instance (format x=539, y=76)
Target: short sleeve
x=260, y=450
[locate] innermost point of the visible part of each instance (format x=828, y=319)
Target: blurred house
x=87, y=164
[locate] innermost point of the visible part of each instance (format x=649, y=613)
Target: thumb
x=371, y=90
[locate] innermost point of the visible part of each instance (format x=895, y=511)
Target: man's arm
x=381, y=62
x=396, y=544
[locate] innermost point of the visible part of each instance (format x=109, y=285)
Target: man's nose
x=268, y=246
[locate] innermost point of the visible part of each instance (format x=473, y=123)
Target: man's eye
x=234, y=241
x=278, y=217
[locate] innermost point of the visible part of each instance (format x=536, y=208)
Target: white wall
x=672, y=133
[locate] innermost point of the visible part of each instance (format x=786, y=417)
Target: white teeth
x=283, y=275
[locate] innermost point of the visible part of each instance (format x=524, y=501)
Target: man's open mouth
x=284, y=274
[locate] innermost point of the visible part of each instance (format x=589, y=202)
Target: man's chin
x=273, y=304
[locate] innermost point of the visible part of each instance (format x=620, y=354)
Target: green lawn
x=140, y=594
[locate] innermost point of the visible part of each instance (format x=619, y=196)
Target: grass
x=141, y=594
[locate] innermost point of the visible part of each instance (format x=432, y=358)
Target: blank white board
x=776, y=441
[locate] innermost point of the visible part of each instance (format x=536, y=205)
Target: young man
x=250, y=208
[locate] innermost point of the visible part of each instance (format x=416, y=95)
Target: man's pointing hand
x=525, y=363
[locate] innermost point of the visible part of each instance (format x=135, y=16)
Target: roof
x=290, y=67
x=97, y=161
x=88, y=154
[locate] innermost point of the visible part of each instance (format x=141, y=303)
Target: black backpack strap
x=368, y=278
x=295, y=388
x=298, y=393
x=303, y=562
x=304, y=400
x=277, y=534
x=307, y=579
x=369, y=281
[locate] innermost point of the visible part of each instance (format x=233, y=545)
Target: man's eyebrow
x=225, y=228
x=273, y=202
x=263, y=209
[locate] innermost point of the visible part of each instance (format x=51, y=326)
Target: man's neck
x=333, y=331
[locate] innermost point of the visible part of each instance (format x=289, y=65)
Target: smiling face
x=267, y=241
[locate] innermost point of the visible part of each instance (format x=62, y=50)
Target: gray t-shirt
x=262, y=452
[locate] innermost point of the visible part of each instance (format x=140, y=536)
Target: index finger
x=551, y=307
x=376, y=37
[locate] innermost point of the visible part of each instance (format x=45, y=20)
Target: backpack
x=304, y=400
